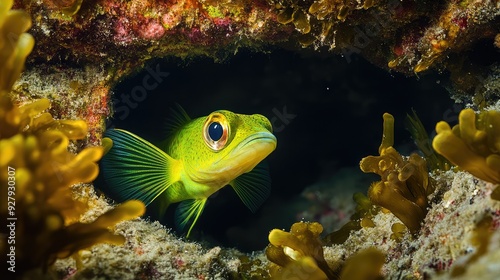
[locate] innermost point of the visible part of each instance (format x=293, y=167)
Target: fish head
x=232, y=144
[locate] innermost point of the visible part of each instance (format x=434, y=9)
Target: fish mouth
x=247, y=154
x=242, y=159
x=261, y=137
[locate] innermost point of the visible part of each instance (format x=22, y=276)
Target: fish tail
x=133, y=168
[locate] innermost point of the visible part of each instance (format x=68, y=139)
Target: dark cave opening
x=326, y=112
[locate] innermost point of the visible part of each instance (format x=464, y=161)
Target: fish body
x=199, y=157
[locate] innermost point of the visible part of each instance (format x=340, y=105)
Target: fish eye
x=216, y=131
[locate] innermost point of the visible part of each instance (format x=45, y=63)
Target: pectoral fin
x=253, y=187
x=136, y=169
x=188, y=212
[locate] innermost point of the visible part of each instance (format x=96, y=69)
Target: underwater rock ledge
x=404, y=36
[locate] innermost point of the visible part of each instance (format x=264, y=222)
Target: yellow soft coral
x=37, y=170
x=299, y=253
x=15, y=45
x=473, y=145
x=405, y=183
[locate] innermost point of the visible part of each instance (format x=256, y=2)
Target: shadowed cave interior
x=326, y=113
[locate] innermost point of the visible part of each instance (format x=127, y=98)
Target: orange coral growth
x=405, y=183
x=15, y=45
x=298, y=253
x=37, y=170
x=473, y=144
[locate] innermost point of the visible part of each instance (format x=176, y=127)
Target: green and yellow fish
x=200, y=157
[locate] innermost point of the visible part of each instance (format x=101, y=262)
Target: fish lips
x=247, y=154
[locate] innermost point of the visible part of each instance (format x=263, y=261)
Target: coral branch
x=405, y=183
x=473, y=144
x=299, y=253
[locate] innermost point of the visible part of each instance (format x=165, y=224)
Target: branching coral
x=405, y=183
x=37, y=170
x=299, y=253
x=473, y=144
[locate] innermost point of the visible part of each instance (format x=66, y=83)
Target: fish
x=199, y=157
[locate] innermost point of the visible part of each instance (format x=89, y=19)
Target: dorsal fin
x=177, y=118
